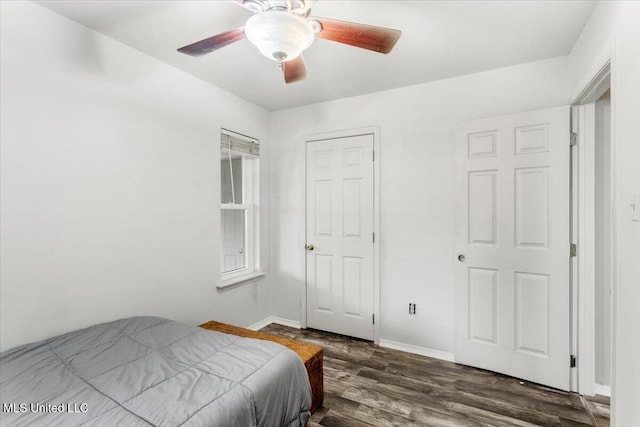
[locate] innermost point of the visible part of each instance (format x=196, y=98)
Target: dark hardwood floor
x=367, y=385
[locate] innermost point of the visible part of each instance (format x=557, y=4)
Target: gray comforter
x=146, y=371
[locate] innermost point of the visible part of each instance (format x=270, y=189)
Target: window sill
x=239, y=280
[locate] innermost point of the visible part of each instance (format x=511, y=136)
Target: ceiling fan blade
x=378, y=39
x=213, y=43
x=294, y=70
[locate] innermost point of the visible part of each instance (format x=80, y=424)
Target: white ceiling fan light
x=283, y=29
x=279, y=34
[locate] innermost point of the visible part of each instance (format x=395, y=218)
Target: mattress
x=150, y=371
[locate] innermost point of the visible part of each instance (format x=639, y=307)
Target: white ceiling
x=440, y=39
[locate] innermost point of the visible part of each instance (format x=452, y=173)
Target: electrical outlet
x=412, y=308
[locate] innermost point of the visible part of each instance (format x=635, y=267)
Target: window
x=239, y=249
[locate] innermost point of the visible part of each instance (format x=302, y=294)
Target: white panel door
x=340, y=252
x=512, y=246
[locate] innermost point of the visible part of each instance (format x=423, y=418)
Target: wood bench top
x=305, y=350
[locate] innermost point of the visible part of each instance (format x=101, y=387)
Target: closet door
x=340, y=247
x=512, y=245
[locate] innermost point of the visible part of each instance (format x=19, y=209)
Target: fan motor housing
x=279, y=35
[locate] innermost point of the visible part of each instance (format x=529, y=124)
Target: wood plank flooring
x=367, y=385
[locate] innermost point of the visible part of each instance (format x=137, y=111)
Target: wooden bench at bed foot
x=310, y=354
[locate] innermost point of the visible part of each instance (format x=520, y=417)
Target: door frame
x=583, y=230
x=371, y=130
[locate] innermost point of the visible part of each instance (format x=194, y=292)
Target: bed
x=150, y=371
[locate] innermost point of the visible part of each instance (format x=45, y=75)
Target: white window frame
x=250, y=204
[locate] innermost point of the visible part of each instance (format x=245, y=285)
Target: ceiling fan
x=283, y=29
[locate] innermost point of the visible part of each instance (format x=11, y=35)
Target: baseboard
x=409, y=348
x=260, y=324
x=422, y=351
x=274, y=319
x=603, y=390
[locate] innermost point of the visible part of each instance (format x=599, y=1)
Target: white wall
x=417, y=134
x=110, y=183
x=626, y=104
x=613, y=33
x=593, y=48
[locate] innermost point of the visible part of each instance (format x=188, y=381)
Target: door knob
x=309, y=247
x=461, y=258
